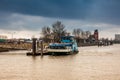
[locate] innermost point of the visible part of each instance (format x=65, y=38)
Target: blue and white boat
x=67, y=45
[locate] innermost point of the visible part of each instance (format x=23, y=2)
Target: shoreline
x=4, y=49
x=8, y=49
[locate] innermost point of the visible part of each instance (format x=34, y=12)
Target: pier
x=37, y=48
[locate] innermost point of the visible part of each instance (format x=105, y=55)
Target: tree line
x=58, y=29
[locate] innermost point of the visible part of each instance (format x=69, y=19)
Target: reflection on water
x=91, y=63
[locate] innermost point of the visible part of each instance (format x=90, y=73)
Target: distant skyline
x=25, y=18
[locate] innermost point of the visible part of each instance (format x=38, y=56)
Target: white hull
x=59, y=50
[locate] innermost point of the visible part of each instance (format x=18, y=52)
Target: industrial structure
x=117, y=37
x=96, y=35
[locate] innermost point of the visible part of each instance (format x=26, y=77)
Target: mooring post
x=34, y=46
x=41, y=48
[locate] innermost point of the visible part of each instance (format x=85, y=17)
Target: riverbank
x=3, y=49
x=8, y=49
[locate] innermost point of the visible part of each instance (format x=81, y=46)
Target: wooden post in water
x=41, y=48
x=34, y=46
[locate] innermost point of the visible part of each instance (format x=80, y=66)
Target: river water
x=91, y=63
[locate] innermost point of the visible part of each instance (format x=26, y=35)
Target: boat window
x=57, y=47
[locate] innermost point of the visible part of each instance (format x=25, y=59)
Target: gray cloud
x=21, y=22
x=31, y=25
x=107, y=11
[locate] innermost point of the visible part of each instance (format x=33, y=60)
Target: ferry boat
x=68, y=45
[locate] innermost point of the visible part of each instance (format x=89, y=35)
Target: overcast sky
x=29, y=16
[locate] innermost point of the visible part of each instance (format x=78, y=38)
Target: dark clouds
x=48, y=8
x=92, y=10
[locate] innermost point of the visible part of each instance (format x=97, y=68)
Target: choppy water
x=91, y=63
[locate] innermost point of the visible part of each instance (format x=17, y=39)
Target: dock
x=37, y=53
x=37, y=48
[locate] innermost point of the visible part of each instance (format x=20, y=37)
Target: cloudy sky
x=25, y=18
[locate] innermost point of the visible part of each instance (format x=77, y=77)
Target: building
x=3, y=37
x=96, y=35
x=117, y=37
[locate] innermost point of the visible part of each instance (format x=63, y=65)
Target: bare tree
x=88, y=33
x=58, y=30
x=77, y=32
x=46, y=31
x=83, y=34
